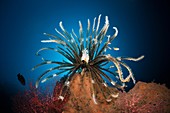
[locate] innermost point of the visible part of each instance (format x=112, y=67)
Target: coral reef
x=143, y=98
x=81, y=100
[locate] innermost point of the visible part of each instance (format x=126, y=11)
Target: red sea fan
x=33, y=101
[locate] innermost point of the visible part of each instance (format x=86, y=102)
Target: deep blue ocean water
x=142, y=24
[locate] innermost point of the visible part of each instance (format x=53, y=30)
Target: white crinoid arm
x=94, y=99
x=55, y=41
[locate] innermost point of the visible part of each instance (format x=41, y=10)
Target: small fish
x=21, y=79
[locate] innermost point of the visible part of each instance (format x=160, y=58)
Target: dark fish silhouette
x=21, y=79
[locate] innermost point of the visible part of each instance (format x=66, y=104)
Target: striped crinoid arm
x=99, y=85
x=61, y=66
x=61, y=69
x=97, y=38
x=68, y=82
x=67, y=47
x=118, y=62
x=98, y=72
x=65, y=40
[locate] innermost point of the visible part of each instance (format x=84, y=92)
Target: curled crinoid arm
x=86, y=54
x=118, y=62
x=130, y=58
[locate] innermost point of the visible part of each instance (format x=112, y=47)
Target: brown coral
x=81, y=100
x=143, y=98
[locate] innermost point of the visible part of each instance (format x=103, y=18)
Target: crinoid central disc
x=85, y=55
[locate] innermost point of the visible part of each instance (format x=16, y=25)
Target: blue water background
x=142, y=25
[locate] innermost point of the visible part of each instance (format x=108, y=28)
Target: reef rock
x=144, y=97
x=81, y=101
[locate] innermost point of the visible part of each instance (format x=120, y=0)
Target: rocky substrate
x=143, y=98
